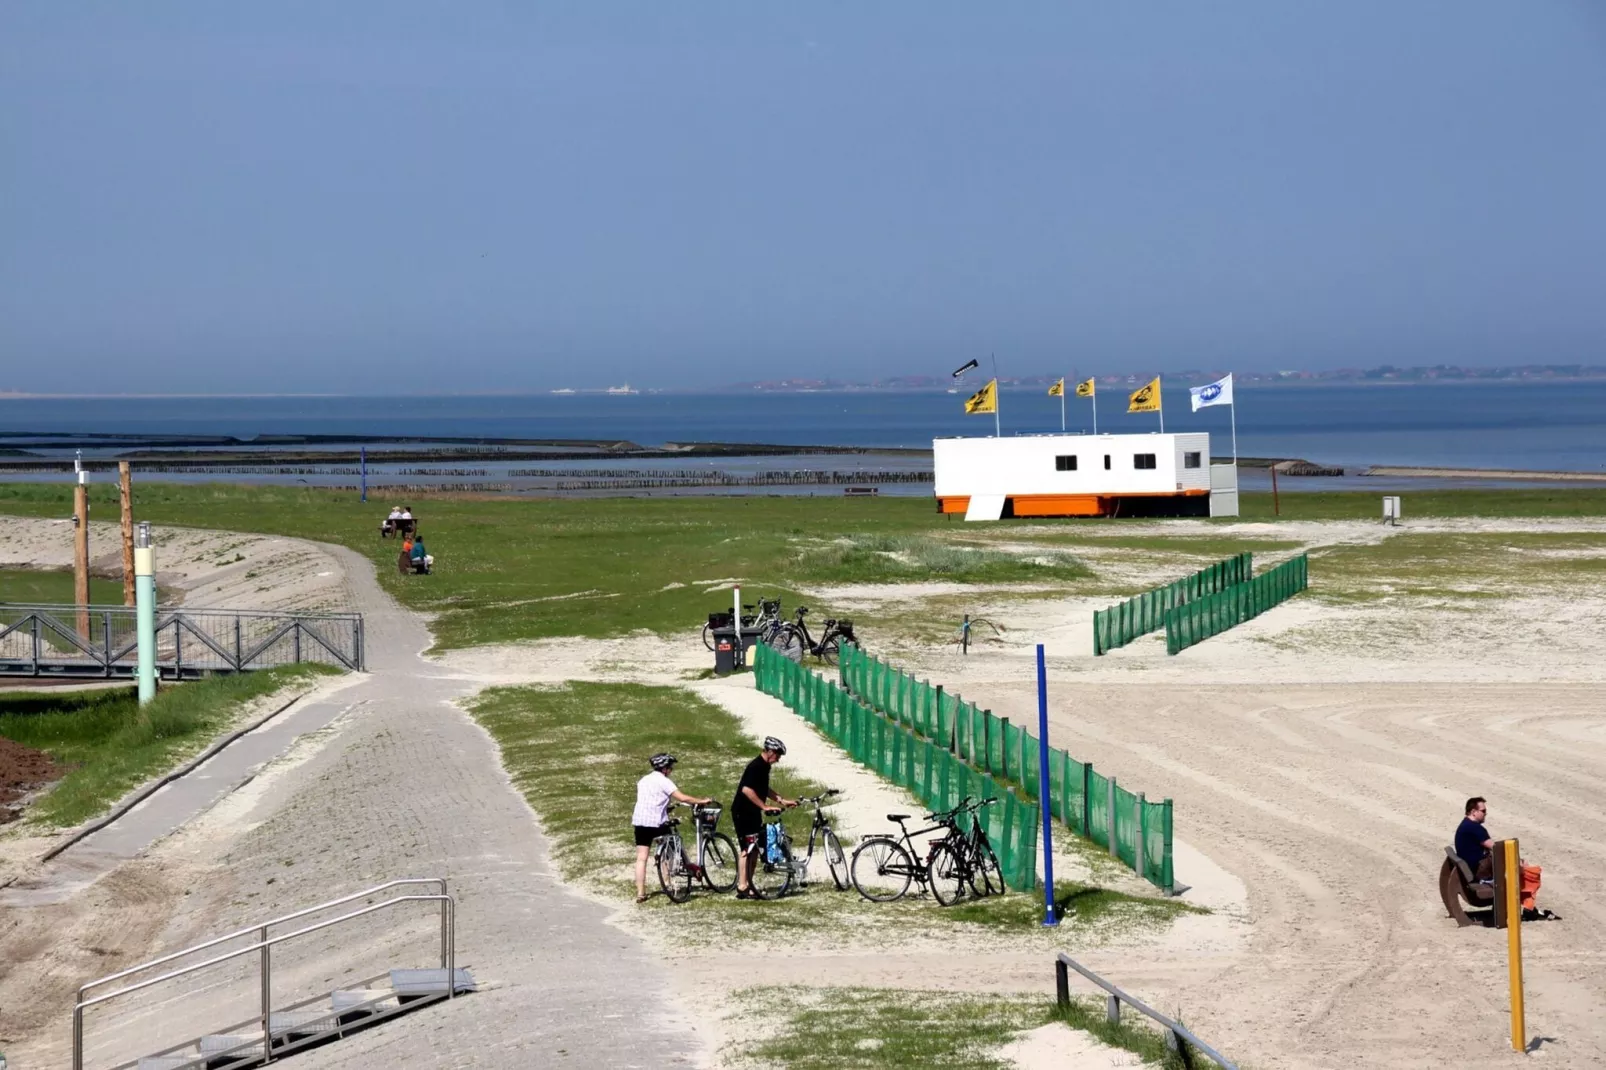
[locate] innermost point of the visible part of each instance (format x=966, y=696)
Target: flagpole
x=1159, y=396
x=1234, y=408
x=1062, y=406
x=997, y=432
x=1095, y=399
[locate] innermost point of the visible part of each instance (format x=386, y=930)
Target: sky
x=406, y=197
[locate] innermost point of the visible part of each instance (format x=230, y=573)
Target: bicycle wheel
x=830, y=650
x=836, y=861
x=987, y=868
x=673, y=875
x=947, y=874
x=708, y=636
x=882, y=869
x=771, y=880
x=789, y=644
x=719, y=862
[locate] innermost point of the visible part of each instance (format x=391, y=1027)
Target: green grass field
x=514, y=568
x=54, y=586
x=111, y=745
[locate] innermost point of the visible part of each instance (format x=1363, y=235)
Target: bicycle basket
x=708, y=816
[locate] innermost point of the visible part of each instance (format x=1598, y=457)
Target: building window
x=1063, y=463
x=1190, y=460
x=1143, y=460
x=1106, y=462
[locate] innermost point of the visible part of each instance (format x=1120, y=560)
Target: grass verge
x=111, y=744
x=575, y=752
x=876, y=1028
x=54, y=586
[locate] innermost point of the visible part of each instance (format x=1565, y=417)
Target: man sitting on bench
x=1473, y=843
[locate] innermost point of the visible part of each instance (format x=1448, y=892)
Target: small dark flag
x=966, y=368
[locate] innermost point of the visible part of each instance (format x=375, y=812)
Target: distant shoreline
x=1423, y=472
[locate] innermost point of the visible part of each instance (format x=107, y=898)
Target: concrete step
x=412, y=984
x=342, y=1009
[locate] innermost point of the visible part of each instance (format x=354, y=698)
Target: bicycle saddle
x=898, y=817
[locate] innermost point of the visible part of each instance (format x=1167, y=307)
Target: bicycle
x=775, y=871
x=793, y=639
x=766, y=616
x=716, y=856
x=985, y=874
x=884, y=866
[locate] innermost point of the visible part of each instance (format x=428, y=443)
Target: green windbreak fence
x=1144, y=613
x=1085, y=802
x=889, y=747
x=1199, y=620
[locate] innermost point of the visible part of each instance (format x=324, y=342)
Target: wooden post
x=1276, y=503
x=1508, y=912
x=80, y=557
x=125, y=493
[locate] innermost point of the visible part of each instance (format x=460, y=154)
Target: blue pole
x=1043, y=796
x=362, y=452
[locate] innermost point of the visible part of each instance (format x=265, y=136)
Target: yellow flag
x=1058, y=389
x=1145, y=398
x=1084, y=390
x=984, y=400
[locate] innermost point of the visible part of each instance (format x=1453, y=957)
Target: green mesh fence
x=1213, y=614
x=962, y=751
x=898, y=753
x=1144, y=613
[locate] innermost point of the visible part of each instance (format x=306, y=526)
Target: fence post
x=1003, y=748
x=1167, y=874
x=1062, y=983
x=106, y=641
x=1087, y=804
x=267, y=994
x=1137, y=854
x=239, y=663
x=1110, y=810
x=296, y=631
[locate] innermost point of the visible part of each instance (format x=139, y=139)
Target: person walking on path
x=752, y=802
x=653, y=793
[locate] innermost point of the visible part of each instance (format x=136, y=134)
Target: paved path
x=407, y=786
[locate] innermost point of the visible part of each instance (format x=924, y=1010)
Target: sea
x=1544, y=426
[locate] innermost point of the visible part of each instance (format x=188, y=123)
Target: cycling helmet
x=662, y=762
x=771, y=743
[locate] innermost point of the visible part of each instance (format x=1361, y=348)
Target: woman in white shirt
x=653, y=793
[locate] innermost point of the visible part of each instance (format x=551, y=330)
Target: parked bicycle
x=716, y=856
x=885, y=866
x=986, y=876
x=793, y=639
x=766, y=616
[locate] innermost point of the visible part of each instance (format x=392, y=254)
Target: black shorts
x=645, y=834
x=747, y=825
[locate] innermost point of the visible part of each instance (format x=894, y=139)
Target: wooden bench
x=1458, y=882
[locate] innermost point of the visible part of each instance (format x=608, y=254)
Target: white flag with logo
x=1216, y=393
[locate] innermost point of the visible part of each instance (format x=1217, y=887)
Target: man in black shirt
x=752, y=802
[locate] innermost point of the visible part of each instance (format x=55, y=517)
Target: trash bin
x=727, y=650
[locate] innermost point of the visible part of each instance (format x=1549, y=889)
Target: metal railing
x=264, y=947
x=101, y=641
x=1179, y=1038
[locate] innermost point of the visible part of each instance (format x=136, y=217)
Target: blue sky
x=407, y=196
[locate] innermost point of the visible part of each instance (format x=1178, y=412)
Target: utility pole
x=125, y=492
x=80, y=558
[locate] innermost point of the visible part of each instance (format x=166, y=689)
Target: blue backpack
x=772, y=844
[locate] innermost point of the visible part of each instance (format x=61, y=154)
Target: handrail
x=445, y=900
x=263, y=946
x=259, y=926
x=1180, y=1035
